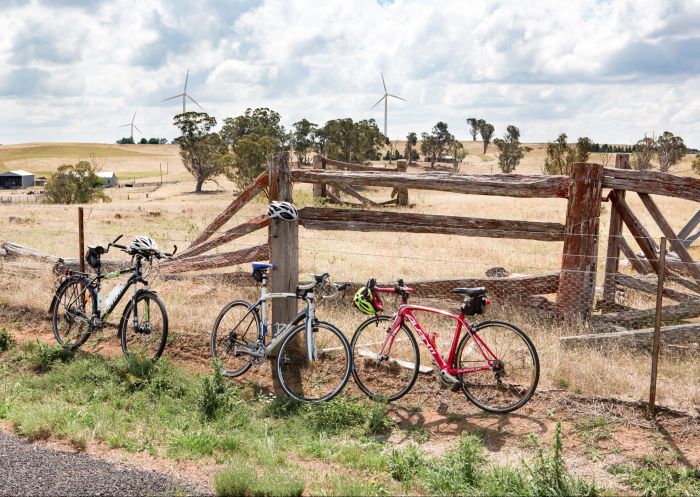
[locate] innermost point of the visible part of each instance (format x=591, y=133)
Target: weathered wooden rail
x=359, y=220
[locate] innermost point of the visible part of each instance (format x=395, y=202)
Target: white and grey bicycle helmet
x=143, y=244
x=282, y=210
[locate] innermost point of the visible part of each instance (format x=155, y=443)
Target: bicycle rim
x=145, y=339
x=321, y=379
x=514, y=377
x=234, y=327
x=384, y=378
x=74, y=301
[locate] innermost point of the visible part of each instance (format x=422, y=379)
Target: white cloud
x=609, y=70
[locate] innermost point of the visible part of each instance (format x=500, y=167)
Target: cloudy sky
x=72, y=70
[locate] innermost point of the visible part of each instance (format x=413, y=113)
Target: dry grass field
x=173, y=214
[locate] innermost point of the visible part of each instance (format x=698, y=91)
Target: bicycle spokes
x=513, y=367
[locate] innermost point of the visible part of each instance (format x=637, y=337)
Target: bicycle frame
x=405, y=314
x=133, y=280
x=308, y=313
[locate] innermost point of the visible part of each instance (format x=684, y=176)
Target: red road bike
x=494, y=363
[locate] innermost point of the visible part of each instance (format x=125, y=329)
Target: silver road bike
x=312, y=357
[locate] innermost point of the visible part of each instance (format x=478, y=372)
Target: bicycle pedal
x=456, y=387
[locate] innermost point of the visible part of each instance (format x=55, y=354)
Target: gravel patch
x=30, y=469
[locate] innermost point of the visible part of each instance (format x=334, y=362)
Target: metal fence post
x=657, y=328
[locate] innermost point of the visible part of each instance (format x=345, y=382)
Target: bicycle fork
x=311, y=353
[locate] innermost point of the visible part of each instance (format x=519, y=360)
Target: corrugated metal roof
x=18, y=172
x=106, y=174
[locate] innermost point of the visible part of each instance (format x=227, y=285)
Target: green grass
x=74, y=152
x=263, y=443
x=659, y=481
x=463, y=471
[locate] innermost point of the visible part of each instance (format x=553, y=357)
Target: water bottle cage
x=474, y=305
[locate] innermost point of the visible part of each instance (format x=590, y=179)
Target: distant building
x=16, y=179
x=108, y=178
x=40, y=181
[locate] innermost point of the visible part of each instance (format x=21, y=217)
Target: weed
x=191, y=445
x=564, y=384
x=404, y=465
x=420, y=434
x=592, y=431
x=6, y=340
x=282, y=408
x=42, y=356
x=353, y=487
x=241, y=479
x=549, y=475
x=379, y=422
x=212, y=395
x=337, y=415
x=458, y=472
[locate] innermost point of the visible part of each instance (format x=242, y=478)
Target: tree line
x=150, y=141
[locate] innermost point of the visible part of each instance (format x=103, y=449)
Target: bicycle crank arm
x=262, y=353
x=448, y=377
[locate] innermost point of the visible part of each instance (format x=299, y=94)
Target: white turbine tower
x=386, y=99
x=184, y=95
x=132, y=125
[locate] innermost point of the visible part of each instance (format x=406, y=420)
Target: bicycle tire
x=293, y=363
x=130, y=351
x=216, y=337
x=361, y=359
x=469, y=389
x=57, y=305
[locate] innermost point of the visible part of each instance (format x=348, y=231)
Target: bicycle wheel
x=321, y=379
x=74, y=304
x=145, y=338
x=387, y=377
x=235, y=326
x=510, y=383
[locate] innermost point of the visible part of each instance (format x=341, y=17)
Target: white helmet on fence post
x=143, y=243
x=282, y=210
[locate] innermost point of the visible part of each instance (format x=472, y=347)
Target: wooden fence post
x=283, y=239
x=402, y=193
x=319, y=188
x=612, y=262
x=578, y=269
x=81, y=240
x=657, y=328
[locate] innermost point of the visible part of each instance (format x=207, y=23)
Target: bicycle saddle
x=471, y=292
x=96, y=249
x=262, y=266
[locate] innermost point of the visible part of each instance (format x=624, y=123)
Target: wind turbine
x=132, y=126
x=184, y=95
x=386, y=99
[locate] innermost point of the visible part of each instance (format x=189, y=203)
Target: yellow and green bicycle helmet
x=364, y=301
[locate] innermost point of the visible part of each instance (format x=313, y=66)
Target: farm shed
x=16, y=179
x=40, y=181
x=109, y=178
